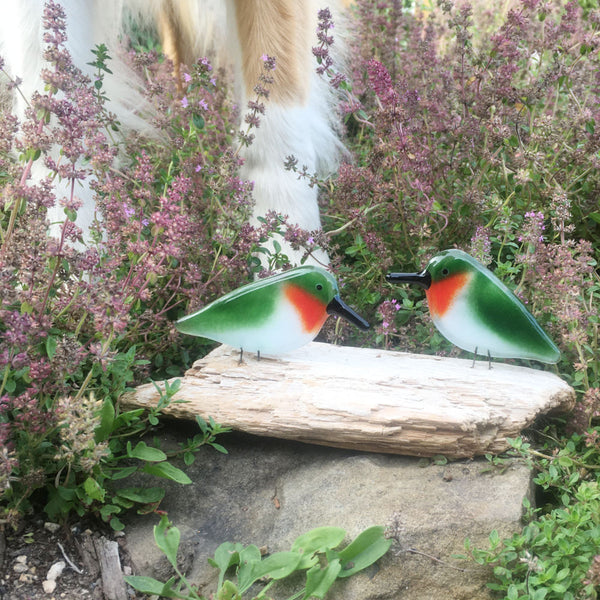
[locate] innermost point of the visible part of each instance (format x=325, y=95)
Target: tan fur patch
x=279, y=28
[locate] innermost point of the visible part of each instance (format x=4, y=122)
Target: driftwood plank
x=367, y=399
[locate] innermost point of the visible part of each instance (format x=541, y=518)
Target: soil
x=27, y=555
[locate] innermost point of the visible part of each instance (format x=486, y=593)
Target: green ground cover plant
x=243, y=569
x=475, y=127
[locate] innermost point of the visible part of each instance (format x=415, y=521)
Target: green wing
x=495, y=305
x=249, y=306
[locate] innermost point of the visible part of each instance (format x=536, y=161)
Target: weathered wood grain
x=367, y=399
x=113, y=583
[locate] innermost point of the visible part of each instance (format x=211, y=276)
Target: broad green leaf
x=279, y=565
x=167, y=471
x=93, y=489
x=142, y=495
x=317, y=540
x=145, y=452
x=198, y=121
x=318, y=581
x=149, y=585
x=109, y=509
x=51, y=346
x=167, y=539
x=369, y=546
x=107, y=419
x=117, y=524
x=226, y=555
x=248, y=557
x=122, y=473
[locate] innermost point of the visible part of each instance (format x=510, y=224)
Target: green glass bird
x=272, y=315
x=475, y=311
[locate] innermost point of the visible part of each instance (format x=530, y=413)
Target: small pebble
x=20, y=568
x=55, y=571
x=49, y=586
x=27, y=578
x=127, y=570
x=51, y=527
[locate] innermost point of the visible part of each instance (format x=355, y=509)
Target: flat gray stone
x=267, y=492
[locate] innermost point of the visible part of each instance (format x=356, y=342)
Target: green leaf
x=117, y=524
x=318, y=581
x=142, y=495
x=145, y=452
x=248, y=556
x=167, y=471
x=71, y=214
x=107, y=419
x=128, y=417
x=198, y=122
x=512, y=593
x=276, y=566
x=93, y=489
x=108, y=510
x=149, y=585
x=565, y=461
x=27, y=307
x=229, y=591
x=167, y=539
x=51, y=346
x=590, y=126
x=226, y=555
x=317, y=540
x=122, y=473
x=369, y=546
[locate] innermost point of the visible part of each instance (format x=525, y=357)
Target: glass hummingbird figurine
x=273, y=315
x=475, y=311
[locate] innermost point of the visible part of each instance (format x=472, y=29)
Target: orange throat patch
x=311, y=310
x=441, y=294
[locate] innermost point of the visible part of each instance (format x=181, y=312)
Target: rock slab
x=267, y=492
x=367, y=399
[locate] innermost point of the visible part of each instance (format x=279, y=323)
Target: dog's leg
x=298, y=118
x=171, y=37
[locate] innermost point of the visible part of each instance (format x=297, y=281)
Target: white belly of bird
x=461, y=327
x=282, y=332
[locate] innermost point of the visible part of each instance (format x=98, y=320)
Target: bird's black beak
x=423, y=278
x=338, y=307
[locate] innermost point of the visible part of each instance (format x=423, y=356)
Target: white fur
x=304, y=127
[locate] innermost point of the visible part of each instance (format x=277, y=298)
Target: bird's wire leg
x=489, y=360
x=258, y=355
x=241, y=356
x=474, y=357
